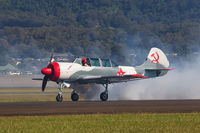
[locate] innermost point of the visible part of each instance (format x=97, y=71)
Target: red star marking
x=120, y=72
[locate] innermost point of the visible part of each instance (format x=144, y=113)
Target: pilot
x=85, y=62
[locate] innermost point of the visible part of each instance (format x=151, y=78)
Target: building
x=9, y=70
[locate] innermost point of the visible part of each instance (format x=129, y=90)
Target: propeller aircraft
x=101, y=71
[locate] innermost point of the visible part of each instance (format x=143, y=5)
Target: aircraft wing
x=110, y=79
x=37, y=79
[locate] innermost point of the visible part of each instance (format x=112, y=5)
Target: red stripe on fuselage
x=139, y=76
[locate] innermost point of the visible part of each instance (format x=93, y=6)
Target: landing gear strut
x=74, y=96
x=104, y=95
x=59, y=97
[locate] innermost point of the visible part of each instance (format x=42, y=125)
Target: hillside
x=32, y=28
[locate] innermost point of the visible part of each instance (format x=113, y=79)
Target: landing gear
x=104, y=95
x=74, y=96
x=59, y=98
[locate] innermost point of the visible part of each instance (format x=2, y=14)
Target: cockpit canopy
x=98, y=62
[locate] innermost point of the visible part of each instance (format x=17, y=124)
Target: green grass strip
x=116, y=123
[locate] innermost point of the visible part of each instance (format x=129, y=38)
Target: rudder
x=156, y=63
x=156, y=59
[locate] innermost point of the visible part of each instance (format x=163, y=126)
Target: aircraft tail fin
x=156, y=63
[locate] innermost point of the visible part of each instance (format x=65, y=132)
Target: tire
x=74, y=96
x=104, y=96
x=59, y=98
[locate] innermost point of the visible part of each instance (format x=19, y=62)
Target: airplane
x=85, y=70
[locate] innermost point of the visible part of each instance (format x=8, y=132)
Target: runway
x=98, y=107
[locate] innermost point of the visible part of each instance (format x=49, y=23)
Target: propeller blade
x=51, y=58
x=44, y=82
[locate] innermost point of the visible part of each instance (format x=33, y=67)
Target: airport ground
x=30, y=94
x=26, y=109
x=103, y=123
x=29, y=110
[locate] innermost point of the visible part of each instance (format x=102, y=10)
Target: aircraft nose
x=46, y=71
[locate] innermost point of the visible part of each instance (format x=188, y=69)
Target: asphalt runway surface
x=98, y=107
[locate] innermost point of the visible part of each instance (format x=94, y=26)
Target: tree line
x=116, y=28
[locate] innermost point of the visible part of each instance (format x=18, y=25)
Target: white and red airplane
x=101, y=71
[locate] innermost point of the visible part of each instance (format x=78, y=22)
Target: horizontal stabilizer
x=168, y=69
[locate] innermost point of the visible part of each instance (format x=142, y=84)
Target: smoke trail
x=181, y=83
x=88, y=91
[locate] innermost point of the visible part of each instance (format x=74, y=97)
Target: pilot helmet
x=84, y=60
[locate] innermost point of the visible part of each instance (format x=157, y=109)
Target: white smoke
x=181, y=83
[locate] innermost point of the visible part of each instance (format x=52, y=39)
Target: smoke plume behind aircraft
x=181, y=83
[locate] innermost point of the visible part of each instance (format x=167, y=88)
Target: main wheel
x=59, y=98
x=74, y=96
x=104, y=96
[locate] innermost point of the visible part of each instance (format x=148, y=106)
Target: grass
x=11, y=90
x=11, y=95
x=118, y=123
x=31, y=98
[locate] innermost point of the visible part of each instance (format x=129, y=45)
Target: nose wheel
x=74, y=96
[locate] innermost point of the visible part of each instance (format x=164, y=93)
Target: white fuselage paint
x=69, y=69
x=128, y=70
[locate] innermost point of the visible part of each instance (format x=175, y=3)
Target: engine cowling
x=52, y=71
